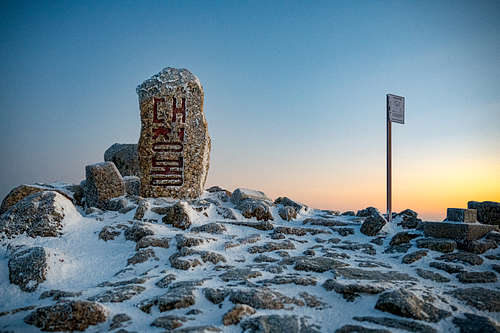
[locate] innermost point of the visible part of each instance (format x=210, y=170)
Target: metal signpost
x=395, y=113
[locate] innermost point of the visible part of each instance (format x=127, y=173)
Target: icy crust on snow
x=79, y=261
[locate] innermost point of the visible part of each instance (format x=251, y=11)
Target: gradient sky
x=294, y=93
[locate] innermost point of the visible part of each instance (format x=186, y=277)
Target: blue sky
x=294, y=93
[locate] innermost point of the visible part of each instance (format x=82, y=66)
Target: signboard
x=395, y=113
x=396, y=108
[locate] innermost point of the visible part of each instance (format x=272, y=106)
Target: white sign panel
x=396, y=108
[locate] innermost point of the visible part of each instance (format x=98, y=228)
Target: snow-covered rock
x=39, y=214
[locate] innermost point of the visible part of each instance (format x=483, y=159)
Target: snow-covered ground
x=79, y=261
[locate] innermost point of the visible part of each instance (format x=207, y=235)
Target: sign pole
x=389, y=165
x=395, y=113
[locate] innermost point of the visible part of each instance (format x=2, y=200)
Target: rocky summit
x=95, y=258
x=140, y=245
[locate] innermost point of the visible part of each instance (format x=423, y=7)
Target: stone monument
x=174, y=146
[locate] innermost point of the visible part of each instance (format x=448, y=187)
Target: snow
x=79, y=261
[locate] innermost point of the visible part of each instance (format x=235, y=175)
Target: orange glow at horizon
x=428, y=188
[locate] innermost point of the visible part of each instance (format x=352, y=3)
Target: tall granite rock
x=174, y=146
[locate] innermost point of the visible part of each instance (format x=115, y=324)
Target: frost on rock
x=39, y=214
x=28, y=268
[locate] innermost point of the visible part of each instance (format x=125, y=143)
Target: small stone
x=116, y=204
x=449, y=268
x=370, y=211
x=407, y=325
x=344, y=232
x=225, y=212
x=234, y=316
x=140, y=280
x=473, y=323
x=198, y=329
x=408, y=212
x=479, y=246
x=118, y=320
x=494, y=236
x=211, y=228
x=272, y=246
x=430, y=275
x=403, y=237
x=250, y=239
x=401, y=248
x=287, y=213
x=184, y=264
x=28, y=268
x=362, y=274
x=278, y=324
x=141, y=210
x=239, y=274
x=58, y=294
x=325, y=222
x=119, y=294
x=177, y=216
x=468, y=258
x=287, y=202
x=317, y=264
x=255, y=208
x=147, y=241
x=410, y=222
x=186, y=241
x=404, y=303
x=353, y=290
x=477, y=277
x=264, y=225
x=241, y=194
x=169, y=322
x=194, y=312
x=132, y=185
x=67, y=316
x=480, y=298
x=289, y=279
x=125, y=157
x=180, y=295
x=137, y=231
x=440, y=245
x=262, y=298
x=360, y=329
x=108, y=233
x=309, y=252
x=414, y=256
x=103, y=182
x=141, y=256
x=372, y=225
x=300, y=231
x=165, y=281
x=216, y=295
x=264, y=258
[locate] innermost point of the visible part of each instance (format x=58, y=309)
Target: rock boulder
x=103, y=182
x=39, y=214
x=125, y=157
